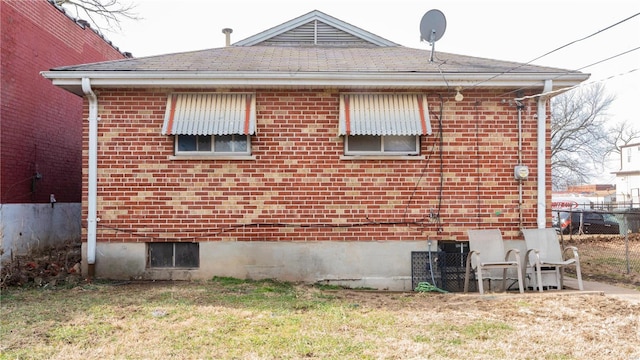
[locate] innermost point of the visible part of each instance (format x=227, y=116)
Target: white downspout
x=542, y=150
x=93, y=176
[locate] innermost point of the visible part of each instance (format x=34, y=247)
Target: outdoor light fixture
x=459, y=95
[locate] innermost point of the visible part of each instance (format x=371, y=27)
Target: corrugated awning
x=210, y=114
x=384, y=114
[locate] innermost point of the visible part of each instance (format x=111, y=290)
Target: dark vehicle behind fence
x=586, y=222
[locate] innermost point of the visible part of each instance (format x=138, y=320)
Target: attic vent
x=316, y=33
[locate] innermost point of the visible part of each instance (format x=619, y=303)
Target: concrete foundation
x=384, y=265
x=27, y=227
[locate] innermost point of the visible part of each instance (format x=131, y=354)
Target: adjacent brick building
x=41, y=125
x=313, y=151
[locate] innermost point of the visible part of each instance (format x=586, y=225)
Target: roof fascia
x=72, y=80
x=314, y=15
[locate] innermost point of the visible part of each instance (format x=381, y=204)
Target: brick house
x=312, y=151
x=41, y=125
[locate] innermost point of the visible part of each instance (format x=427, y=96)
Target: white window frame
x=382, y=151
x=212, y=152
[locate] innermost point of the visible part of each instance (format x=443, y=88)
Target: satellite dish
x=432, y=27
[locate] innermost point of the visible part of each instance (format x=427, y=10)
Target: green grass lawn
x=235, y=319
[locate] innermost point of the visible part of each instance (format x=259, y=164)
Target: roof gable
x=313, y=50
x=315, y=28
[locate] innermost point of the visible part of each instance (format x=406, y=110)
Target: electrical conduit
x=93, y=176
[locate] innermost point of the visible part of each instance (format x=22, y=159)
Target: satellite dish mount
x=432, y=27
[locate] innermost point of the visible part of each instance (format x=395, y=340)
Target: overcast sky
x=511, y=30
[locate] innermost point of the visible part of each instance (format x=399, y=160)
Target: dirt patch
x=50, y=266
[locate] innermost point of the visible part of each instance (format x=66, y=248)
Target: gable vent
x=316, y=33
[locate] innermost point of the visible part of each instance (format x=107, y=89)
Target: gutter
x=93, y=176
x=71, y=80
x=542, y=144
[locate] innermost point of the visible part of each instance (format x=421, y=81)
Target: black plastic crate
x=421, y=265
x=452, y=271
x=448, y=264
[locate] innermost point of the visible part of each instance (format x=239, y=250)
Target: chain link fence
x=608, y=242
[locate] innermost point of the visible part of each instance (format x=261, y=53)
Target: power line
x=582, y=68
x=609, y=58
x=557, y=49
x=575, y=86
x=584, y=38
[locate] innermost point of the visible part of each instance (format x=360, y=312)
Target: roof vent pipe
x=227, y=32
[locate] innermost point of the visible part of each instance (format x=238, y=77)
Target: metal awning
x=210, y=114
x=384, y=114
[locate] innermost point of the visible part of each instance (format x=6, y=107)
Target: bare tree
x=580, y=141
x=622, y=133
x=101, y=14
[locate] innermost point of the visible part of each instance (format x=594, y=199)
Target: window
x=383, y=124
x=213, y=144
x=592, y=217
x=211, y=123
x=173, y=255
x=382, y=145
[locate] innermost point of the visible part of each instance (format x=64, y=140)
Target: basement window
x=173, y=255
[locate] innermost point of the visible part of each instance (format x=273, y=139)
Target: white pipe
x=542, y=151
x=93, y=173
x=519, y=107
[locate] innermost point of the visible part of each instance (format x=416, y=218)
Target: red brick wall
x=40, y=124
x=298, y=188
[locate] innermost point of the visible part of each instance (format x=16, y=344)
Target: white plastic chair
x=544, y=251
x=486, y=253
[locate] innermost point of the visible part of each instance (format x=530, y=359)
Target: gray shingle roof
x=391, y=59
x=314, y=49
